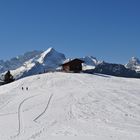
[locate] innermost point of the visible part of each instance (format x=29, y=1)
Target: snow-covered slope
x=49, y=60
x=134, y=64
x=61, y=104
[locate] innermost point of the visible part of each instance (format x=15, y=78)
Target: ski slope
x=88, y=106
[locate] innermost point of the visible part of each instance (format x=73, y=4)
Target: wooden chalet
x=2, y=82
x=74, y=65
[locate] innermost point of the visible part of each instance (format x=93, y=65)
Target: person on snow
x=26, y=88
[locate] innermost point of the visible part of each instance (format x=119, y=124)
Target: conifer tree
x=8, y=77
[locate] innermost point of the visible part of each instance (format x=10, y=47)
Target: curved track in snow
x=19, y=113
x=104, y=107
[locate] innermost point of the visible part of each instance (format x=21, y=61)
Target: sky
x=106, y=29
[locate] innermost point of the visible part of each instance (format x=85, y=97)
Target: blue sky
x=106, y=29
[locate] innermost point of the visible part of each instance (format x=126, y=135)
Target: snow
x=85, y=106
x=17, y=61
x=134, y=64
x=19, y=72
x=51, y=59
x=35, y=62
x=87, y=67
x=43, y=55
x=48, y=60
x=90, y=62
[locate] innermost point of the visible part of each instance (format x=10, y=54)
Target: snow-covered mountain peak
x=48, y=60
x=44, y=54
x=90, y=60
x=133, y=64
x=134, y=60
x=50, y=49
x=50, y=53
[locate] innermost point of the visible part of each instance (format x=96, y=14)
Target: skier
x=26, y=88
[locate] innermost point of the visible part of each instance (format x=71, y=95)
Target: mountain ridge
x=17, y=61
x=48, y=60
x=36, y=62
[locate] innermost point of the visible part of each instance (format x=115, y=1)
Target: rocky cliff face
x=116, y=70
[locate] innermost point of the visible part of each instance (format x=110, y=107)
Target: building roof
x=68, y=61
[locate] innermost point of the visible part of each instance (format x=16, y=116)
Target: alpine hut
x=74, y=65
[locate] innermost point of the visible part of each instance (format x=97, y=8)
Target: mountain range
x=18, y=61
x=36, y=62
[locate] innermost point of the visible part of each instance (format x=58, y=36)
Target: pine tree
x=8, y=77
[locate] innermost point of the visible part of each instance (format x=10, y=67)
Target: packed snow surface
x=99, y=107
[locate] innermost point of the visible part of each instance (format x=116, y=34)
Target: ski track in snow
x=44, y=109
x=19, y=113
x=83, y=105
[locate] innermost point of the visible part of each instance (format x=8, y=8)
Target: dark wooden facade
x=2, y=82
x=74, y=65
